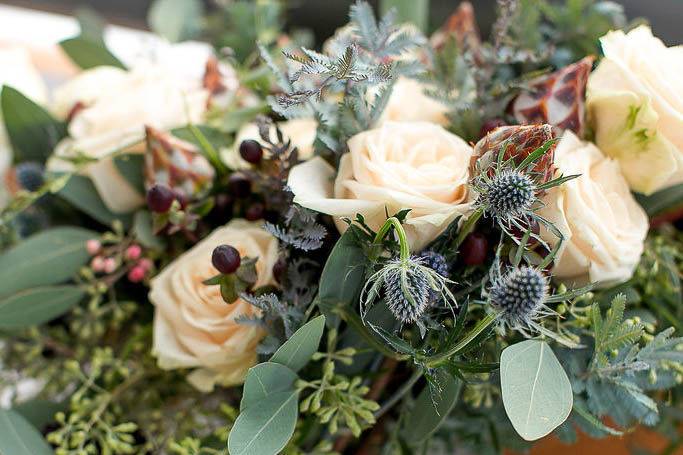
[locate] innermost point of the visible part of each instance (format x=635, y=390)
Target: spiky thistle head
x=409, y=286
x=508, y=194
x=519, y=295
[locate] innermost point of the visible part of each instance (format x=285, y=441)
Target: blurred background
x=324, y=16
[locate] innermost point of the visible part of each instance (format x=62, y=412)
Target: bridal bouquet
x=398, y=244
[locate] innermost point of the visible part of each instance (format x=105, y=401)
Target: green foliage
x=18, y=437
x=300, y=347
x=89, y=54
x=414, y=11
x=176, y=20
x=37, y=305
x=264, y=379
x=432, y=406
x=33, y=132
x=536, y=391
x=81, y=193
x=50, y=257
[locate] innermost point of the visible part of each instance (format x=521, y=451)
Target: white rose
x=399, y=165
x=193, y=326
x=635, y=104
x=300, y=131
x=603, y=225
x=19, y=73
x=408, y=102
x=114, y=120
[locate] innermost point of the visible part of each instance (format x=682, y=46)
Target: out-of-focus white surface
x=40, y=32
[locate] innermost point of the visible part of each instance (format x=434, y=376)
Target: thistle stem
x=400, y=232
x=468, y=226
x=354, y=321
x=438, y=359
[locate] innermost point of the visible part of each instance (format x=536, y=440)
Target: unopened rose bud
x=133, y=252
x=93, y=246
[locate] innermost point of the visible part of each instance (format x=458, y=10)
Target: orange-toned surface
x=641, y=438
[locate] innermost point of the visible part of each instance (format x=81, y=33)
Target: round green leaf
x=38, y=305
x=264, y=379
x=266, y=427
x=297, y=351
x=80, y=192
x=537, y=394
x=50, y=257
x=18, y=437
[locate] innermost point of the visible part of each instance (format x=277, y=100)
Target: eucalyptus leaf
x=33, y=132
x=87, y=53
x=80, y=192
x=265, y=427
x=662, y=201
x=300, y=347
x=50, y=257
x=432, y=407
x=536, y=391
x=264, y=379
x=37, y=305
x=341, y=281
x=131, y=166
x=39, y=412
x=18, y=437
x=144, y=233
x=176, y=20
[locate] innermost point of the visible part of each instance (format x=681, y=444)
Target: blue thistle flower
x=520, y=293
x=509, y=194
x=435, y=261
x=407, y=292
x=30, y=175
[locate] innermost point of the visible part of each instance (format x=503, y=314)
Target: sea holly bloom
x=177, y=164
x=557, y=98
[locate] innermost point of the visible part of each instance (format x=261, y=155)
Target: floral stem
x=354, y=321
x=405, y=388
x=438, y=359
x=400, y=232
x=468, y=226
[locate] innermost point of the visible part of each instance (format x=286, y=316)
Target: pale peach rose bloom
x=193, y=326
x=603, y=225
x=409, y=102
x=113, y=120
x=399, y=165
x=635, y=105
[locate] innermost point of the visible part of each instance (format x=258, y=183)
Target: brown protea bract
x=176, y=163
x=519, y=141
x=557, y=98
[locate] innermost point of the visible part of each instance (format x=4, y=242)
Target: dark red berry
x=279, y=269
x=474, y=249
x=239, y=185
x=255, y=212
x=490, y=125
x=159, y=198
x=251, y=151
x=226, y=259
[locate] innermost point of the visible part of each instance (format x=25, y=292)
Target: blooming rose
x=193, y=326
x=635, y=104
x=603, y=226
x=17, y=72
x=408, y=102
x=113, y=119
x=300, y=131
x=399, y=165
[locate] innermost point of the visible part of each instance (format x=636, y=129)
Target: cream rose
x=399, y=165
x=300, y=131
x=635, y=105
x=19, y=73
x=113, y=119
x=408, y=102
x=603, y=226
x=193, y=326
